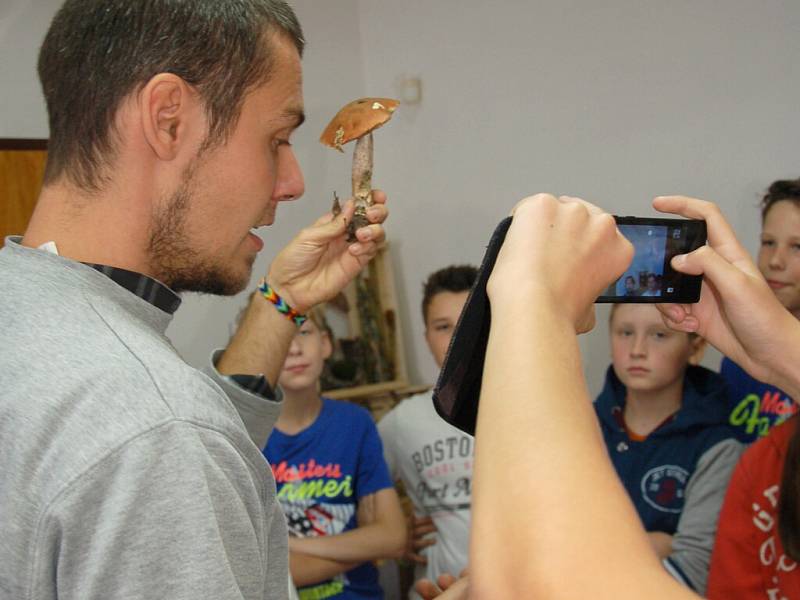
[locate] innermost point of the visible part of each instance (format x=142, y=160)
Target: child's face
x=307, y=353
x=646, y=354
x=779, y=254
x=443, y=313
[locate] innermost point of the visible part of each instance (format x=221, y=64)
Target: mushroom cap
x=357, y=119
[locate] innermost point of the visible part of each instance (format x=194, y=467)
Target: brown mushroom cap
x=356, y=119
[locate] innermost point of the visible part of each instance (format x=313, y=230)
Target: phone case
x=458, y=388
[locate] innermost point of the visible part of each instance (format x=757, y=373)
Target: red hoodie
x=748, y=560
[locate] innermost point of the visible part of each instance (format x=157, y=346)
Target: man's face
x=202, y=238
x=630, y=284
x=443, y=313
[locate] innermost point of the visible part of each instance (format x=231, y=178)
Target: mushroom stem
x=362, y=182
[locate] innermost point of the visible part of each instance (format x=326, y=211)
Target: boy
x=331, y=479
x=432, y=458
x=664, y=425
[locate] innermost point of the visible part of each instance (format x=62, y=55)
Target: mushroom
x=355, y=121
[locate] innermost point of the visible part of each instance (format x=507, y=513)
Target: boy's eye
x=445, y=327
x=767, y=243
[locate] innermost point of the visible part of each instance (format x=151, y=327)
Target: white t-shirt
x=433, y=459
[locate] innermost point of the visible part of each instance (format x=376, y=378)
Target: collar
x=146, y=288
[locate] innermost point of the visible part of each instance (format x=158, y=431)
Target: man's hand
x=446, y=587
x=564, y=251
x=737, y=312
x=419, y=538
x=319, y=262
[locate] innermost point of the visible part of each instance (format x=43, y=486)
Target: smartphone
x=650, y=277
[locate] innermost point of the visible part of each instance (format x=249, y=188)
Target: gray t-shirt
x=433, y=459
x=125, y=472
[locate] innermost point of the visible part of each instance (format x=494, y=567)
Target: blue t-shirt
x=755, y=407
x=320, y=474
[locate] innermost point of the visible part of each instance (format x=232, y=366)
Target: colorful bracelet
x=283, y=308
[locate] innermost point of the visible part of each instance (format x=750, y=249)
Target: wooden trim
x=22, y=144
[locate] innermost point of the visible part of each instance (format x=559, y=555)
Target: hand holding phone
x=458, y=388
x=650, y=277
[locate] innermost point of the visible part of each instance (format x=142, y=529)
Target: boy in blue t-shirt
x=332, y=482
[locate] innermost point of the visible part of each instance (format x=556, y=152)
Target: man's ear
x=171, y=114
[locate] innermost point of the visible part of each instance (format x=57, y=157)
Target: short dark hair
x=455, y=278
x=783, y=189
x=97, y=52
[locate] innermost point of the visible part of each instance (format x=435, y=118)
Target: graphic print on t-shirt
x=436, y=463
x=302, y=492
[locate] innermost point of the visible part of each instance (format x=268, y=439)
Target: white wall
x=22, y=27
x=616, y=101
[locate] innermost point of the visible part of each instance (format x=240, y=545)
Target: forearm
x=786, y=369
x=369, y=542
x=260, y=343
x=536, y=428
x=308, y=570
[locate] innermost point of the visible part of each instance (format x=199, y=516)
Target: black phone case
x=458, y=388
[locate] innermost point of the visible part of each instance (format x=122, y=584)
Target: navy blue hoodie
x=655, y=471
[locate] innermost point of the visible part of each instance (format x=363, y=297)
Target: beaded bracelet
x=280, y=304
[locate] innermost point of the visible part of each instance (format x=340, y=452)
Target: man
x=126, y=473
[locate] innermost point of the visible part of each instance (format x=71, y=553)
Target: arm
x=312, y=268
x=578, y=530
x=737, y=313
x=155, y=520
x=308, y=570
x=381, y=533
x=421, y=535
x=694, y=539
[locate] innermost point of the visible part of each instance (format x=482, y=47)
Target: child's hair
x=455, y=278
x=783, y=189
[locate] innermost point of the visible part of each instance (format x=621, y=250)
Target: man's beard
x=174, y=261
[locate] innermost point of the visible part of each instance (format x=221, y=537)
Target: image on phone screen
x=650, y=277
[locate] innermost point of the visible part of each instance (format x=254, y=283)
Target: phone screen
x=650, y=277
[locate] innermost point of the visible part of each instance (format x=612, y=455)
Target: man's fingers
x=537, y=198
x=678, y=317
x=592, y=208
x=427, y=589
x=720, y=233
x=706, y=261
x=417, y=558
x=420, y=543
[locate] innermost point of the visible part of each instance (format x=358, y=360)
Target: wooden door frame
x=23, y=144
